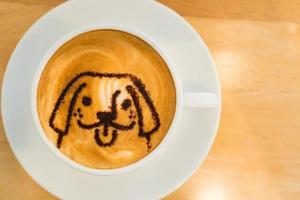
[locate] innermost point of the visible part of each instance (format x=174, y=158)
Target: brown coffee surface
x=106, y=99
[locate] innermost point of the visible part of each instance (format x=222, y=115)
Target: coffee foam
x=111, y=61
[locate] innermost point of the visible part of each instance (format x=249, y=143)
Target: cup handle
x=200, y=100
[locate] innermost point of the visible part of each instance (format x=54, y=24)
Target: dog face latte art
x=106, y=99
x=108, y=118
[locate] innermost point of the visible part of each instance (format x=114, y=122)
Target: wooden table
x=256, y=48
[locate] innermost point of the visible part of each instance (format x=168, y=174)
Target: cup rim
x=141, y=162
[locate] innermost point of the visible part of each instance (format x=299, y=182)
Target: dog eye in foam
x=86, y=101
x=126, y=104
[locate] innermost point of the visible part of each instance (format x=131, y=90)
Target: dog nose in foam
x=105, y=116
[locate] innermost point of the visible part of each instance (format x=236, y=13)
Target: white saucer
x=196, y=129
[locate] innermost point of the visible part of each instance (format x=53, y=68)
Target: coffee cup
x=106, y=125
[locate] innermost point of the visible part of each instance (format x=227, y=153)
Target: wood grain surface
x=255, y=45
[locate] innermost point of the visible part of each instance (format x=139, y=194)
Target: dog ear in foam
x=148, y=118
x=60, y=119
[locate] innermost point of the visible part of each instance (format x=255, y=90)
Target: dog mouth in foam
x=107, y=125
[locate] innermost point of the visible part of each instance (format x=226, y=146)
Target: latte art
x=107, y=119
x=106, y=99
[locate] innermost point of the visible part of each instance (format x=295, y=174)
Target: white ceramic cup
x=184, y=100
